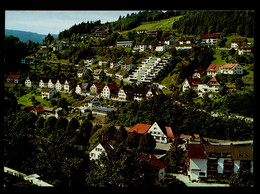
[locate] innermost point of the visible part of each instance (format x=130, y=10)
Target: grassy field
x=165, y=24
x=26, y=100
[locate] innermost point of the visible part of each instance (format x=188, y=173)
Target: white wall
x=197, y=166
x=220, y=165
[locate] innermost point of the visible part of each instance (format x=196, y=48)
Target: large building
x=217, y=162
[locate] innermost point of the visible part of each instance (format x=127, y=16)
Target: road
x=185, y=179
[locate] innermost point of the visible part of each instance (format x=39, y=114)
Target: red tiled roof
x=13, y=76
x=112, y=86
x=213, y=79
x=213, y=67
x=140, y=128
x=169, y=132
x=210, y=36
x=155, y=162
x=229, y=66
x=39, y=108
x=194, y=82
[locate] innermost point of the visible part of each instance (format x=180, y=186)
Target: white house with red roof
x=212, y=86
x=161, y=133
x=211, y=39
x=213, y=70
x=13, y=78
x=191, y=83
x=108, y=90
x=231, y=69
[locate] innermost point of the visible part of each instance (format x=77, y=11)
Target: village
x=95, y=88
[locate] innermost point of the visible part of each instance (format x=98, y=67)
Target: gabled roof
x=165, y=129
x=112, y=86
x=211, y=36
x=155, y=162
x=213, y=67
x=140, y=128
x=194, y=82
x=12, y=76
x=229, y=66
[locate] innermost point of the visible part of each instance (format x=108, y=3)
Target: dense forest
x=200, y=23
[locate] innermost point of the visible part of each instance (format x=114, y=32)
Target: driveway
x=185, y=179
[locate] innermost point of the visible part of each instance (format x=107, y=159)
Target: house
x=125, y=43
x=185, y=43
x=125, y=93
x=116, y=63
x=57, y=47
x=238, y=42
x=41, y=53
x=140, y=47
x=217, y=162
x=153, y=92
x=109, y=90
x=81, y=71
x=212, y=86
x=29, y=60
x=140, y=93
x=161, y=133
x=96, y=88
x=50, y=84
x=28, y=82
x=168, y=41
x=66, y=86
x=90, y=61
x=14, y=78
x=197, y=73
x=213, y=70
x=231, y=69
x=127, y=65
x=48, y=93
x=245, y=49
x=101, y=147
x=99, y=74
x=161, y=47
x=211, y=39
x=191, y=83
x=78, y=89
x=103, y=61
x=157, y=164
x=154, y=33
x=101, y=32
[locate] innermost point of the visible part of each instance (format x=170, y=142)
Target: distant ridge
x=24, y=35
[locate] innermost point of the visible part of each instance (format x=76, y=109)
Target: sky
x=53, y=22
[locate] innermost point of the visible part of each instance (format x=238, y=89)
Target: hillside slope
x=165, y=24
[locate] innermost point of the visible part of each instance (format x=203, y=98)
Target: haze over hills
x=24, y=35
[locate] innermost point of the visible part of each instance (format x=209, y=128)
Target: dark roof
x=211, y=36
x=196, y=151
x=194, y=82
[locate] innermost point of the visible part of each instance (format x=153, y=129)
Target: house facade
x=102, y=147
x=161, y=133
x=125, y=43
x=211, y=39
x=231, y=69
x=217, y=162
x=213, y=70
x=191, y=83
x=48, y=93
x=108, y=90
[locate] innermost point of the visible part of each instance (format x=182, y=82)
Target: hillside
x=24, y=36
x=164, y=24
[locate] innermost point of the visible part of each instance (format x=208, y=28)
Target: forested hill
x=199, y=23
x=128, y=22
